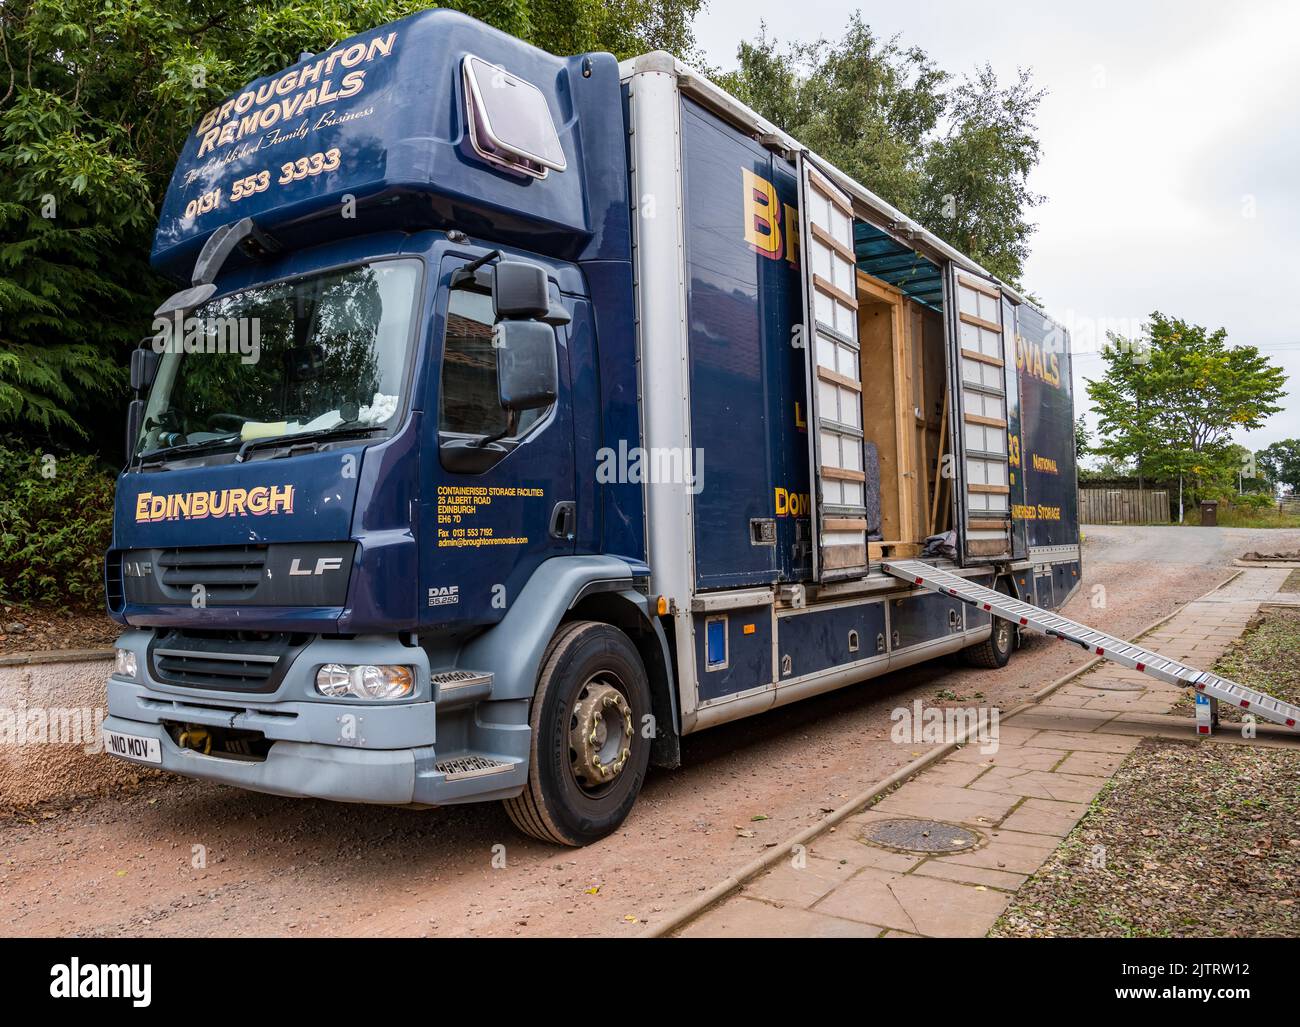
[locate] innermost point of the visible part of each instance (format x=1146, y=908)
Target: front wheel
x=588, y=757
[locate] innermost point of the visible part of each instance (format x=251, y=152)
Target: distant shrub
x=56, y=518
x=1254, y=502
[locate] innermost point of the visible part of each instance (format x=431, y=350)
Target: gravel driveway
x=189, y=858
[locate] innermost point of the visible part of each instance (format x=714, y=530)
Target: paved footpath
x=1022, y=800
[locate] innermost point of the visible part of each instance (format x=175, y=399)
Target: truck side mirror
x=519, y=290
x=134, y=419
x=144, y=366
x=527, y=367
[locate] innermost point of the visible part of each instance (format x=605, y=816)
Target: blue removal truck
x=519, y=415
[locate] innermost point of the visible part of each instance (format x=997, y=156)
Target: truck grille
x=227, y=573
x=226, y=661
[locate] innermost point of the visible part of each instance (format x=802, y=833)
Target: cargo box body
x=964, y=405
x=846, y=386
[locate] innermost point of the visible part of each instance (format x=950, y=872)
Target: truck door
x=834, y=377
x=977, y=364
x=496, y=501
x=1016, y=455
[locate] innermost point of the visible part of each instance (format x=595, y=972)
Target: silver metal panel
x=710, y=602
x=977, y=337
x=1117, y=650
x=659, y=266
x=834, y=376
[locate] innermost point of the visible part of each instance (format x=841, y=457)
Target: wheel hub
x=1003, y=629
x=600, y=738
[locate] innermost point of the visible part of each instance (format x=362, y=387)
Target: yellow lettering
x=761, y=211
x=381, y=46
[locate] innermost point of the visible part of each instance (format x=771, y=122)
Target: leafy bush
x=1254, y=501
x=56, y=516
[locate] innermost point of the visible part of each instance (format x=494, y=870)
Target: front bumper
x=303, y=769
x=346, y=751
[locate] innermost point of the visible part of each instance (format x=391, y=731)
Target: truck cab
x=352, y=515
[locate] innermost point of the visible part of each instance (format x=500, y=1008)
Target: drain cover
x=921, y=835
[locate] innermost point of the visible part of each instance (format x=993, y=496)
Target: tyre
x=588, y=757
x=994, y=651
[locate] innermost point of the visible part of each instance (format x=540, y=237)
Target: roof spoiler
x=220, y=245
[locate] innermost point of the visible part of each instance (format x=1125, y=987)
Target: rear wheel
x=588, y=757
x=995, y=651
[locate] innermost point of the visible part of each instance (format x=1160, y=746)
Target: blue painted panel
x=485, y=534
x=391, y=102
x=312, y=501
x=922, y=618
x=817, y=640
x=1050, y=506
x=746, y=376
x=1044, y=591
x=749, y=656
x=1064, y=577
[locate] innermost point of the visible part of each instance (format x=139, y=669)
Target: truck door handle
x=564, y=519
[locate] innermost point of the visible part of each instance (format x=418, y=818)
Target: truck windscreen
x=311, y=354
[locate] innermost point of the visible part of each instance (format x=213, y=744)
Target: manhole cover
x=921, y=835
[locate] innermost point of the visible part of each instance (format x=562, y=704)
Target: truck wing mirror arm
x=218, y=248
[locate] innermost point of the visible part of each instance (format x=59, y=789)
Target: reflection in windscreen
x=331, y=352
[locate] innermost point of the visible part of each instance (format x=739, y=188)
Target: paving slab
x=1040, y=784
x=1043, y=816
x=951, y=870
x=787, y=885
x=1023, y=756
x=947, y=802
x=936, y=908
x=743, y=917
x=1023, y=799
x=1074, y=742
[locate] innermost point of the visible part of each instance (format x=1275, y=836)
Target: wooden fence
x=1124, y=506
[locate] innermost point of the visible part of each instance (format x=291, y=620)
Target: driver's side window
x=469, y=402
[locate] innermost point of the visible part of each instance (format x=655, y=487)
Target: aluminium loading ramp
x=1209, y=687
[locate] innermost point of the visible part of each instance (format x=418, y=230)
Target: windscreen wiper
x=323, y=434
x=166, y=452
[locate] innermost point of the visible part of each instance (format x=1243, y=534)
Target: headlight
x=365, y=681
x=124, y=665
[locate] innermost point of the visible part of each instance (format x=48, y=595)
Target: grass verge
x=1189, y=839
x=1264, y=658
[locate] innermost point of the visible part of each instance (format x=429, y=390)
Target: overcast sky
x=1171, y=153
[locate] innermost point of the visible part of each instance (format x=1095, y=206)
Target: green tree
x=1171, y=400
x=1280, y=463
x=954, y=154
x=96, y=97
x=1082, y=438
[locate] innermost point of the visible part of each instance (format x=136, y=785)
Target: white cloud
x=1164, y=128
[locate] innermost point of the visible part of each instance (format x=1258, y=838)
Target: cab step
x=464, y=765
x=452, y=686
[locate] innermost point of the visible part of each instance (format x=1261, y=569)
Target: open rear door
x=976, y=324
x=834, y=377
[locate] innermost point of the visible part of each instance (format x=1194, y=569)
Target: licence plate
x=133, y=747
